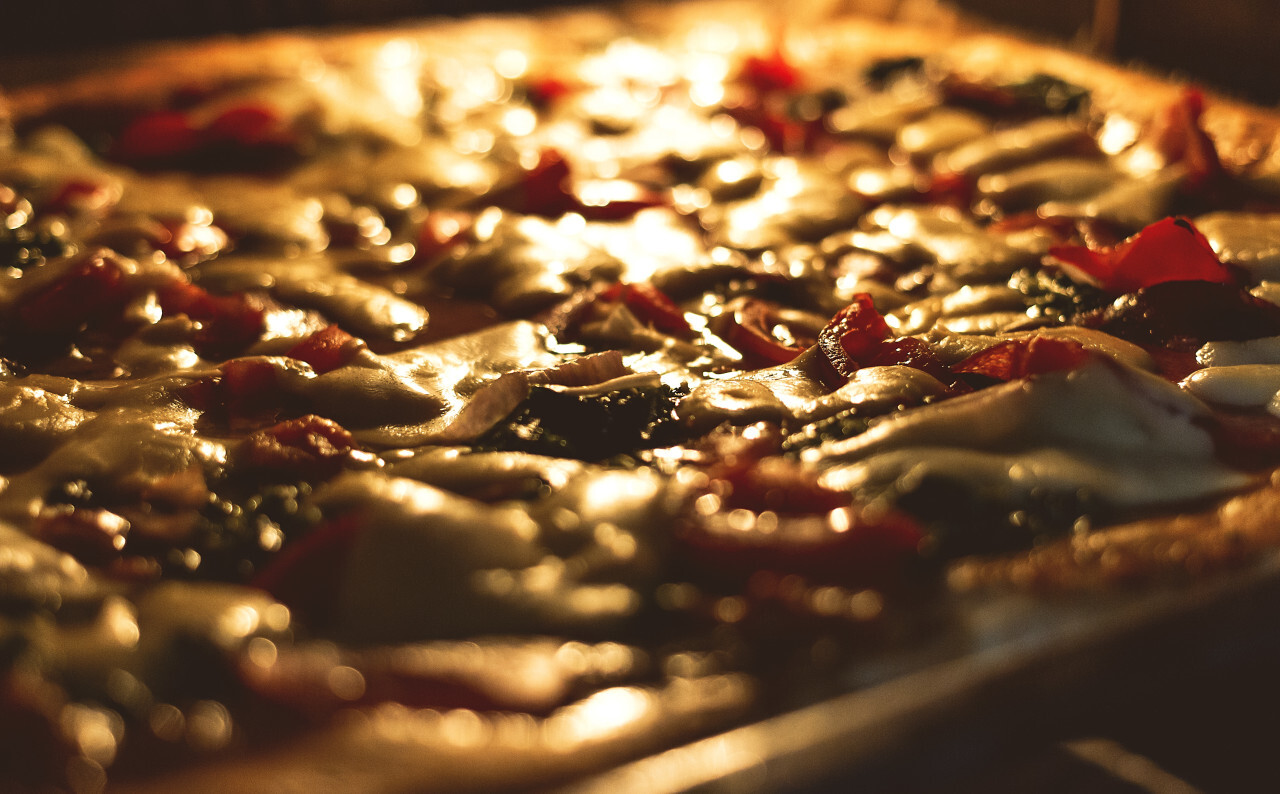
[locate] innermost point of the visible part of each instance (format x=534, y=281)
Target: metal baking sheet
x=1007, y=667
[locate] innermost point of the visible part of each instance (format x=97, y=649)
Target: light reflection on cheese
x=1100, y=429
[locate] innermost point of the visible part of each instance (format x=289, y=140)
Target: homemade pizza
x=488, y=403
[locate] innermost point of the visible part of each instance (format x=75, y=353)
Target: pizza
x=487, y=403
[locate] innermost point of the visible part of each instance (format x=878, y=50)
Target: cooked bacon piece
x=326, y=349
x=1168, y=250
x=309, y=447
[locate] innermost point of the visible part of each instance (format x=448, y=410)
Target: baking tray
x=1004, y=670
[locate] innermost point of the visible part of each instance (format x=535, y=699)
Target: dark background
x=1230, y=45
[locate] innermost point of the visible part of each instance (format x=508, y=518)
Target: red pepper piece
x=649, y=305
x=1180, y=137
x=776, y=484
x=854, y=335
x=750, y=331
x=229, y=323
x=92, y=290
x=847, y=545
x=157, y=137
x=770, y=72
x=82, y=197
x=1023, y=358
x=542, y=190
x=1168, y=250
x=547, y=190
x=440, y=231
x=326, y=349
x=306, y=575
x=310, y=446
x=545, y=91
x=248, y=126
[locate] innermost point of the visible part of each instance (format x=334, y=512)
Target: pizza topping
x=1058, y=432
x=1187, y=314
x=1006, y=149
x=1244, y=240
x=308, y=447
x=1170, y=250
x=326, y=350
x=874, y=390
x=1178, y=136
x=588, y=423
x=764, y=332
x=274, y=446
x=1023, y=358
x=486, y=562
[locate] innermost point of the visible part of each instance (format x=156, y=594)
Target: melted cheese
x=1008, y=148
x=1249, y=240
x=1095, y=428
x=967, y=251
x=432, y=564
